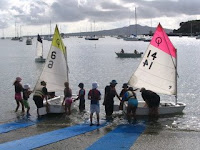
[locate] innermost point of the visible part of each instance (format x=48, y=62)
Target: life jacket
x=131, y=95
x=95, y=96
x=39, y=92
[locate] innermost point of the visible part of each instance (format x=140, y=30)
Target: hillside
x=120, y=31
x=189, y=28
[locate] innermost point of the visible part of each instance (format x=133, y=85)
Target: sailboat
x=39, y=50
x=157, y=71
x=55, y=73
x=133, y=37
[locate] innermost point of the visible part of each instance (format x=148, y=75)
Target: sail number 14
x=53, y=56
x=146, y=62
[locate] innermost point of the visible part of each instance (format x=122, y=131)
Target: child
x=26, y=93
x=81, y=96
x=18, y=96
x=94, y=95
x=67, y=98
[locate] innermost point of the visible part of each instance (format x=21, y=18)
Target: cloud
x=169, y=8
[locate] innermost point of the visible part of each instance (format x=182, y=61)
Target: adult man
x=110, y=93
x=152, y=101
x=39, y=95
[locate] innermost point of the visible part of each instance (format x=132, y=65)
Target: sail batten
x=157, y=70
x=55, y=71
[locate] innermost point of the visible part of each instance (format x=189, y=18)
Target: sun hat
x=26, y=86
x=94, y=85
x=113, y=82
x=18, y=79
x=125, y=85
x=42, y=82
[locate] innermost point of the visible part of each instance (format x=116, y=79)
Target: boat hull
x=54, y=106
x=40, y=60
x=165, y=108
x=129, y=55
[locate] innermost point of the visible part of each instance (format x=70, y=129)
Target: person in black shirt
x=18, y=91
x=110, y=93
x=152, y=101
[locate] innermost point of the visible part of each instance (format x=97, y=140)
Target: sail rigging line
x=170, y=52
x=175, y=66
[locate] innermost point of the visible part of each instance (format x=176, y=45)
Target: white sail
x=39, y=47
x=157, y=70
x=55, y=71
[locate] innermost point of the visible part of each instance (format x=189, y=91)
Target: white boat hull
x=55, y=106
x=165, y=108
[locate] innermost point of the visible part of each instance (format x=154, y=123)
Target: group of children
x=23, y=99
x=94, y=95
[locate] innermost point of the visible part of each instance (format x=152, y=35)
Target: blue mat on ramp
x=17, y=124
x=121, y=138
x=48, y=138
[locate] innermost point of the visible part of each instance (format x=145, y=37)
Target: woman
x=67, y=98
x=130, y=96
x=18, y=96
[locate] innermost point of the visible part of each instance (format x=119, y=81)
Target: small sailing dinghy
x=39, y=50
x=158, y=72
x=55, y=73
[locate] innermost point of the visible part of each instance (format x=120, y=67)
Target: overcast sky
x=34, y=16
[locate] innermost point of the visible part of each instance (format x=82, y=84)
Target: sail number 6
x=53, y=56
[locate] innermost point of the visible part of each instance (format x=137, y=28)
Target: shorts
x=26, y=104
x=18, y=96
x=94, y=108
x=133, y=102
x=38, y=101
x=68, y=101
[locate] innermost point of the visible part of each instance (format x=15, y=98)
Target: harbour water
x=91, y=61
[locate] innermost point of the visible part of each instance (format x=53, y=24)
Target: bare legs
x=68, y=109
x=91, y=116
x=18, y=104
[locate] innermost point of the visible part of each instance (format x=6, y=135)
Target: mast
x=135, y=22
x=50, y=28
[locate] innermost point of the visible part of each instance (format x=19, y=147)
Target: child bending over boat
x=130, y=96
x=67, y=98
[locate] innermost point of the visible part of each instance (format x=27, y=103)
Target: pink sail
x=161, y=41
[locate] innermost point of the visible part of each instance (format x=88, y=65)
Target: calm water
x=91, y=61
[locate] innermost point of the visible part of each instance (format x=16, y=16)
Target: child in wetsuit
x=81, y=97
